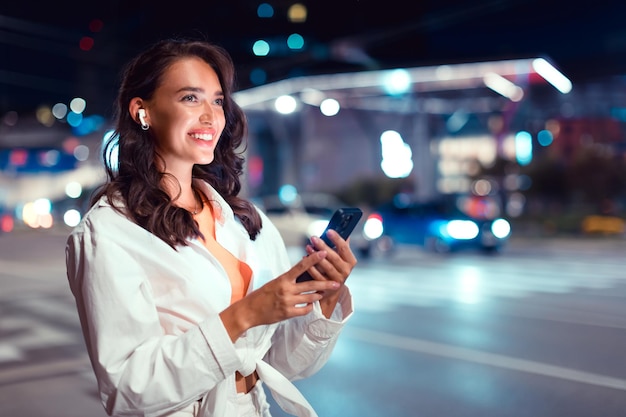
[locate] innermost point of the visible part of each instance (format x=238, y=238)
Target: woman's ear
x=133, y=108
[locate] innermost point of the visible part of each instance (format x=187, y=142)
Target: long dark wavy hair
x=136, y=177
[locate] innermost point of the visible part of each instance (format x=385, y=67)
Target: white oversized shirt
x=150, y=317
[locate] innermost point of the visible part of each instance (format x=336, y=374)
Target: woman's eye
x=219, y=101
x=190, y=97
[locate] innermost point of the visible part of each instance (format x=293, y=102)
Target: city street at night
x=474, y=152
x=537, y=330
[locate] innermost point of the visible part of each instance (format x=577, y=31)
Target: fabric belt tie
x=287, y=396
x=285, y=393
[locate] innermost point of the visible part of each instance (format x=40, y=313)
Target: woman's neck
x=183, y=194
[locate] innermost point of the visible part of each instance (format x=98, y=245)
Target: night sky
x=41, y=60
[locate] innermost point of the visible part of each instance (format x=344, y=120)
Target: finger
x=305, y=263
x=318, y=244
x=301, y=310
x=339, y=244
x=342, y=247
x=307, y=298
x=342, y=253
x=334, y=237
x=335, y=271
x=334, y=267
x=319, y=283
x=310, y=249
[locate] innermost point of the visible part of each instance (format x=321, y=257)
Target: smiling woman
x=185, y=291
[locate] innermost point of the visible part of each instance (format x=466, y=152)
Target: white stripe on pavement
x=44, y=370
x=485, y=358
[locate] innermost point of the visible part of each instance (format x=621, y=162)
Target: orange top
x=238, y=272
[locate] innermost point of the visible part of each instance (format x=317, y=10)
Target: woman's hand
x=336, y=267
x=280, y=299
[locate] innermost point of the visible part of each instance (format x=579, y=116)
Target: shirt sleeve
x=301, y=346
x=140, y=370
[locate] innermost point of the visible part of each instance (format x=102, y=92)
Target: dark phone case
x=343, y=221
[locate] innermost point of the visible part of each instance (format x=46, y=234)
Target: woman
x=184, y=290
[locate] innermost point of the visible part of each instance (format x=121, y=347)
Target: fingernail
x=336, y=284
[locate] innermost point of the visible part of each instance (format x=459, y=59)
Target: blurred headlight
x=500, y=228
x=373, y=227
x=462, y=229
x=317, y=227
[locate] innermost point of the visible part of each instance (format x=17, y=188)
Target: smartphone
x=343, y=221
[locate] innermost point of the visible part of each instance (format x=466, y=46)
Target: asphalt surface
x=538, y=330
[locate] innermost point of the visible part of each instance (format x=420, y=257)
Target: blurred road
x=539, y=330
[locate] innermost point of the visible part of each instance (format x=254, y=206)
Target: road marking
x=44, y=370
x=486, y=358
x=29, y=333
x=9, y=353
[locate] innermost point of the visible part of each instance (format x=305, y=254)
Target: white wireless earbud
x=141, y=114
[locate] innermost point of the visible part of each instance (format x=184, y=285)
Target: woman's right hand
x=280, y=299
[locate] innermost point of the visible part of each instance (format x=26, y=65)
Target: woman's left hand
x=337, y=265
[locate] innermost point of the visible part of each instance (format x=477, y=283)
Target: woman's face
x=186, y=115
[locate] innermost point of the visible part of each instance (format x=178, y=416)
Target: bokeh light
x=86, y=43
x=397, y=155
x=73, y=189
x=44, y=116
x=96, y=25
x=59, y=110
x=81, y=153
x=265, y=11
x=10, y=118
x=397, y=82
x=287, y=194
x=74, y=119
x=297, y=13
x=285, y=104
x=37, y=214
x=295, y=41
x=78, y=105
x=544, y=137
x=71, y=217
x=6, y=223
x=261, y=48
x=329, y=107
x=523, y=148
x=258, y=76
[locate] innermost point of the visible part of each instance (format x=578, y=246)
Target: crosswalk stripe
x=9, y=353
x=44, y=370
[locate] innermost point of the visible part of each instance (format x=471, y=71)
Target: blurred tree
x=549, y=181
x=599, y=176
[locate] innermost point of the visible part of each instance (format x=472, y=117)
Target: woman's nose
x=208, y=115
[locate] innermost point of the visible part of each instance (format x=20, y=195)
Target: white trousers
x=254, y=403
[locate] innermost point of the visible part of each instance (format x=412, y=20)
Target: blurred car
x=307, y=215
x=440, y=226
